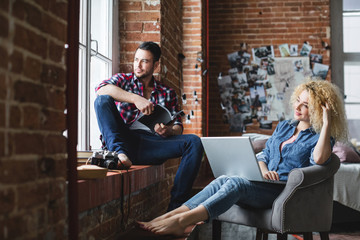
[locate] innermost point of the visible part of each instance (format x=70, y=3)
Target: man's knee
x=101, y=100
x=195, y=140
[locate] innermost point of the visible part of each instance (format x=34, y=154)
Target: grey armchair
x=304, y=206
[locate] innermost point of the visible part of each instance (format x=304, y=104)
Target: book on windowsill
x=91, y=172
x=83, y=156
x=160, y=115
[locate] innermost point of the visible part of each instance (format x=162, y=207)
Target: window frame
x=338, y=56
x=87, y=51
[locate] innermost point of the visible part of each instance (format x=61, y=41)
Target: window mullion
x=86, y=134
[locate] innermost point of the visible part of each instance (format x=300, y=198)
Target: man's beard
x=143, y=75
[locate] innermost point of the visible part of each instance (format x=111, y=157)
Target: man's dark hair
x=153, y=48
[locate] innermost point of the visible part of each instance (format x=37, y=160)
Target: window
x=95, y=65
x=345, y=55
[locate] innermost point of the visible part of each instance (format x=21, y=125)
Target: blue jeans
x=223, y=192
x=144, y=148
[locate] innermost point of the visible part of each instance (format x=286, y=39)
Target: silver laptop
x=233, y=156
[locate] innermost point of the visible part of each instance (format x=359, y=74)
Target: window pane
x=351, y=5
x=82, y=22
x=352, y=81
x=351, y=30
x=352, y=111
x=81, y=97
x=101, y=28
x=99, y=72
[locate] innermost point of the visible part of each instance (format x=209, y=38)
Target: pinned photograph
x=320, y=70
x=284, y=50
x=238, y=59
x=262, y=52
x=271, y=69
x=298, y=66
x=316, y=58
x=293, y=50
x=305, y=50
x=234, y=59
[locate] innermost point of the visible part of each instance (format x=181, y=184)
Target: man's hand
x=272, y=175
x=164, y=130
x=144, y=105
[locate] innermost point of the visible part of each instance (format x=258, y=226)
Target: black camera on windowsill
x=105, y=159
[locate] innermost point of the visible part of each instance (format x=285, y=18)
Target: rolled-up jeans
x=144, y=148
x=224, y=191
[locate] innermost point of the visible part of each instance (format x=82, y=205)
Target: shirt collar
x=136, y=80
x=294, y=123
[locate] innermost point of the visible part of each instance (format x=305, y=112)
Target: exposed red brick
x=29, y=92
x=16, y=62
x=59, y=8
x=30, y=40
x=55, y=28
x=56, y=52
x=53, y=120
x=55, y=144
x=17, y=172
x=4, y=26
x=31, y=116
x=53, y=74
x=32, y=68
x=15, y=117
x=7, y=200
x=2, y=87
x=130, y=6
x=25, y=143
x=4, y=58
x=32, y=195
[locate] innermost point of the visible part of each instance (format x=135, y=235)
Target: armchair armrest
x=306, y=187
x=304, y=177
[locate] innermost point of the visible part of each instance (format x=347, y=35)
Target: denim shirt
x=298, y=154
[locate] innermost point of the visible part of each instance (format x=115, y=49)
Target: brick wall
x=261, y=23
x=193, y=80
x=32, y=103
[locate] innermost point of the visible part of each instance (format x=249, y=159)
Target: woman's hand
x=326, y=115
x=272, y=175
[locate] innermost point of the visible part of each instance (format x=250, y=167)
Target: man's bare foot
x=124, y=161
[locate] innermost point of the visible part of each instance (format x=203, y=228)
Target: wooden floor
x=140, y=234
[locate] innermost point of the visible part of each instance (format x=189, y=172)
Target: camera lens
x=110, y=164
x=94, y=161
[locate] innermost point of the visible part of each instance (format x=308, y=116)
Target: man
x=120, y=101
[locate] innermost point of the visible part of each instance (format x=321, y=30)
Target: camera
x=105, y=159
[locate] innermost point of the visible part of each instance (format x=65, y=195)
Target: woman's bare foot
x=178, y=210
x=176, y=224
x=124, y=161
x=168, y=226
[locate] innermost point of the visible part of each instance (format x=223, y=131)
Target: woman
x=319, y=119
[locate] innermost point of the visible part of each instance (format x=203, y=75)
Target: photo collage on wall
x=260, y=89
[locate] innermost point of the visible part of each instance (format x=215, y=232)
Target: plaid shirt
x=161, y=94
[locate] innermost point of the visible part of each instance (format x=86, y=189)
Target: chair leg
x=308, y=236
x=281, y=236
x=260, y=235
x=324, y=235
x=216, y=230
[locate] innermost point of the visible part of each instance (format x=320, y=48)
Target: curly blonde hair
x=321, y=92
